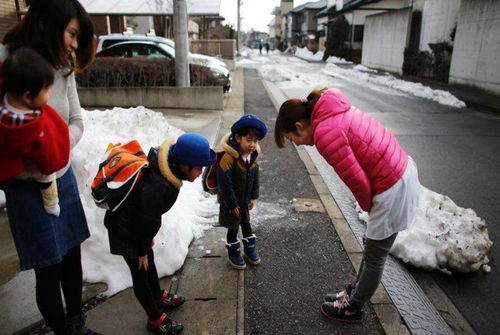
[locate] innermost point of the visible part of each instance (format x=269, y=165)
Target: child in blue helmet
x=238, y=186
x=135, y=223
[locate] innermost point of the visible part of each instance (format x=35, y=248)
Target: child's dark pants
x=371, y=269
x=246, y=229
x=146, y=285
x=49, y=280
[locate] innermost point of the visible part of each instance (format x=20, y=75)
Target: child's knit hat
x=250, y=121
x=193, y=150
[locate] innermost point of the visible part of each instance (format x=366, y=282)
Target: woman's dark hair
x=42, y=29
x=292, y=111
x=26, y=71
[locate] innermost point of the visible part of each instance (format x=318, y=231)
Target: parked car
x=150, y=49
x=108, y=40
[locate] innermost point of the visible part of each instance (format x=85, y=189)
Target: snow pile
x=2, y=199
x=304, y=53
x=387, y=80
x=275, y=74
x=245, y=61
x=363, y=68
x=337, y=60
x=443, y=236
x=179, y=226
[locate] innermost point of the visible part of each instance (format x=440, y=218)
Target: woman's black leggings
x=146, y=285
x=49, y=280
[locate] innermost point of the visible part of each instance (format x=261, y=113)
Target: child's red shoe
x=169, y=301
x=164, y=325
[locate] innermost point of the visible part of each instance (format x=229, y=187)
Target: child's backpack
x=118, y=174
x=209, y=177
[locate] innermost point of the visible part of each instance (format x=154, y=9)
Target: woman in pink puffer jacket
x=379, y=173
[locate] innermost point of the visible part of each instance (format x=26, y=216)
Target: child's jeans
x=371, y=269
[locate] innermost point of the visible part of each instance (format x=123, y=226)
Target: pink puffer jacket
x=365, y=155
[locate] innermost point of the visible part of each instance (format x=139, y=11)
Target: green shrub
x=417, y=63
x=441, y=60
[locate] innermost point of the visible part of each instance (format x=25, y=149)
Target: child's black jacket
x=136, y=222
x=237, y=182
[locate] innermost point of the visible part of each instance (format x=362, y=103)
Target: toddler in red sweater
x=31, y=132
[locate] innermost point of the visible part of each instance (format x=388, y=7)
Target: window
x=358, y=33
x=118, y=51
x=146, y=50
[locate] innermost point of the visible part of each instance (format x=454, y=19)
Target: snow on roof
x=148, y=7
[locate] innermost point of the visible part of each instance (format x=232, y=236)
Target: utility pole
x=181, y=43
x=238, y=30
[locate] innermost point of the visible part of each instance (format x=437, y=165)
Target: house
x=114, y=16
x=301, y=23
x=461, y=37
x=255, y=38
x=355, y=13
x=276, y=26
x=9, y=14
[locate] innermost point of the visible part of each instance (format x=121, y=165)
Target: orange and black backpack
x=118, y=174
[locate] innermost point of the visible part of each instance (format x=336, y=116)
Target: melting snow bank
x=276, y=74
x=179, y=226
x=304, y=53
x=337, y=60
x=443, y=236
x=416, y=89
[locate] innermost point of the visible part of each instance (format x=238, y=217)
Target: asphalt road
x=458, y=154
x=302, y=257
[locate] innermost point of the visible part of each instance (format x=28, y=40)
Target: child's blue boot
x=250, y=252
x=234, y=253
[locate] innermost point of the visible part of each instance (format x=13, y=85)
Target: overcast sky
x=255, y=14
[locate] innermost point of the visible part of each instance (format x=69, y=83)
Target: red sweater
x=44, y=140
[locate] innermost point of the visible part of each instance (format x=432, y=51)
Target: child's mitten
x=51, y=199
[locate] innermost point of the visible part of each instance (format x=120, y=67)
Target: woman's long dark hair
x=42, y=29
x=292, y=111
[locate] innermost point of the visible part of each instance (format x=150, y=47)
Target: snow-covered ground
x=282, y=70
x=179, y=226
x=362, y=74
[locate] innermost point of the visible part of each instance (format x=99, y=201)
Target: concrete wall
x=439, y=17
x=384, y=40
x=476, y=51
x=153, y=97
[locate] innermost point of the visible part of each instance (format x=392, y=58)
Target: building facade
x=10, y=14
